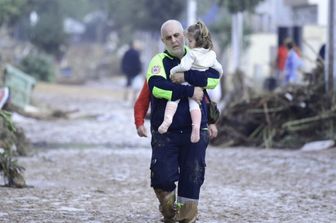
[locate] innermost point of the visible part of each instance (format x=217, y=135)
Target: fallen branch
x=290, y=125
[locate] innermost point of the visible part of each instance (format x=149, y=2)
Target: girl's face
x=191, y=41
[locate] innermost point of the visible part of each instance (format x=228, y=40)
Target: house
x=305, y=21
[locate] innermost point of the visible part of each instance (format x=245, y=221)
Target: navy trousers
x=176, y=159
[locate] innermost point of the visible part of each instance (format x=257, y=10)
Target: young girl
x=200, y=57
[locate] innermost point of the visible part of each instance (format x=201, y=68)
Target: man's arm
x=140, y=110
x=207, y=79
x=165, y=89
x=160, y=86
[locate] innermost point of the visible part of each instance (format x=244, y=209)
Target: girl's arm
x=186, y=63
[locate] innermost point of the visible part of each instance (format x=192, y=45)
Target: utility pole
x=191, y=9
x=330, y=75
x=236, y=39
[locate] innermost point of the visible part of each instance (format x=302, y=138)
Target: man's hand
x=177, y=78
x=198, y=94
x=142, y=131
x=213, y=131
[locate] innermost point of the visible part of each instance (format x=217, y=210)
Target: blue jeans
x=175, y=158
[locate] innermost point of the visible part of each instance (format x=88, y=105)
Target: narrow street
x=93, y=168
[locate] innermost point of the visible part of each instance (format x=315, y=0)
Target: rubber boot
x=167, y=208
x=187, y=212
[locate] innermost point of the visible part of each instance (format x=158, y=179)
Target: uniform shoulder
x=157, y=58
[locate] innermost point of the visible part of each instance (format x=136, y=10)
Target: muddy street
x=93, y=168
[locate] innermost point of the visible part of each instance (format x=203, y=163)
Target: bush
x=39, y=66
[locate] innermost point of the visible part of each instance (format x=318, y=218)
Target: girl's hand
x=177, y=78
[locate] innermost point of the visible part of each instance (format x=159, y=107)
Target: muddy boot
x=167, y=209
x=187, y=212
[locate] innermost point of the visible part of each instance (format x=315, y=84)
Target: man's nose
x=174, y=39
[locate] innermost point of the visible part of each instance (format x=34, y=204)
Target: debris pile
x=287, y=118
x=12, y=142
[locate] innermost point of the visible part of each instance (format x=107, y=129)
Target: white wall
x=281, y=13
x=313, y=37
x=322, y=8
x=256, y=61
x=322, y=11
x=258, y=58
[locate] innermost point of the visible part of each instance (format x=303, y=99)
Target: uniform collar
x=186, y=49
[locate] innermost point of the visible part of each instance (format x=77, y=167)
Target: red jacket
x=281, y=57
x=141, y=105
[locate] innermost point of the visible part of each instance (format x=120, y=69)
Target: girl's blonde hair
x=201, y=34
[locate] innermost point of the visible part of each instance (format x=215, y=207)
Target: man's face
x=173, y=39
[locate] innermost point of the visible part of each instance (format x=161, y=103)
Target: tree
x=11, y=10
x=236, y=8
x=128, y=17
x=161, y=11
x=239, y=5
x=77, y=9
x=48, y=33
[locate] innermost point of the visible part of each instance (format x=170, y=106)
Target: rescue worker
x=174, y=157
x=141, y=107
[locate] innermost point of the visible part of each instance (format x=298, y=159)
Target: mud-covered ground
x=93, y=168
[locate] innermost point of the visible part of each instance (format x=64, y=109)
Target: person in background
x=174, y=158
x=199, y=57
x=293, y=63
x=131, y=67
x=280, y=63
x=322, y=53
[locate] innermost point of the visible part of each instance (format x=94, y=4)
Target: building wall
x=259, y=57
x=322, y=18
x=312, y=39
x=273, y=13
x=257, y=61
x=321, y=5
x=281, y=13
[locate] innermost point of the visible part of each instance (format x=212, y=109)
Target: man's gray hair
x=169, y=22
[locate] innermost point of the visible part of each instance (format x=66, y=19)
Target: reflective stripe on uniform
x=161, y=93
x=212, y=83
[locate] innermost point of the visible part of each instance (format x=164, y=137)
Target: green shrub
x=39, y=66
